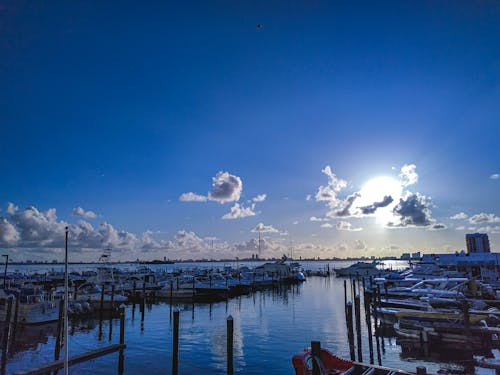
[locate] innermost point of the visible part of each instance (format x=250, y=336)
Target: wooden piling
x=171, y=291
x=350, y=333
x=175, y=344
x=357, y=311
x=316, y=357
x=101, y=307
x=345, y=293
x=16, y=319
x=112, y=296
x=134, y=287
x=230, y=328
x=57, y=348
x=465, y=310
x=121, y=356
x=6, y=333
x=421, y=370
x=366, y=303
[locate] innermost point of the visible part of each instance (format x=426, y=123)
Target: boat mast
x=66, y=305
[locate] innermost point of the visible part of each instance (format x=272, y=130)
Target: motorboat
x=328, y=363
x=92, y=294
x=359, y=269
x=34, y=305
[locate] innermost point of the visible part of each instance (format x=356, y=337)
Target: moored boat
x=328, y=363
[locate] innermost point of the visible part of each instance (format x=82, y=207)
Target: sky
x=188, y=129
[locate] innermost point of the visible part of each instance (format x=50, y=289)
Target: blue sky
x=119, y=109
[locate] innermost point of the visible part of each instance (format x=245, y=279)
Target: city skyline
x=188, y=130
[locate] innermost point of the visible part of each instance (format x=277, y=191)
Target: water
x=269, y=327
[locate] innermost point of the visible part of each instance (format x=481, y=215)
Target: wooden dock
x=58, y=365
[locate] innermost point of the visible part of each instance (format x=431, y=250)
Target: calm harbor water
x=269, y=327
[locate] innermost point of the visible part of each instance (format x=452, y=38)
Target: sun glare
x=375, y=190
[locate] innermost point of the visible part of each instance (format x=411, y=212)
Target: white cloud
x=314, y=219
x=326, y=225
x=484, y=218
x=459, y=216
x=238, y=211
x=460, y=228
x=308, y=197
x=264, y=229
x=12, y=208
x=408, y=175
x=8, y=233
x=148, y=243
x=225, y=188
x=345, y=225
x=189, y=241
x=495, y=176
x=295, y=222
x=260, y=198
x=489, y=229
x=359, y=245
x=329, y=192
x=192, y=197
x=39, y=228
x=78, y=211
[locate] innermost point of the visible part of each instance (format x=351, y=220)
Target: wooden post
x=421, y=370
x=175, y=344
x=143, y=288
x=57, y=349
x=6, y=332
x=112, y=296
x=16, y=319
x=171, y=291
x=134, y=287
x=357, y=310
x=122, y=339
x=102, y=302
x=316, y=357
x=230, y=345
x=350, y=333
x=345, y=292
x=368, y=320
x=465, y=309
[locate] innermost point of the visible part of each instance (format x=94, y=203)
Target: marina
x=271, y=322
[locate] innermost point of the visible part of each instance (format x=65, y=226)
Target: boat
x=92, y=294
x=34, y=306
x=329, y=363
x=360, y=269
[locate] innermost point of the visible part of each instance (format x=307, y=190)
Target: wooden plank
x=73, y=360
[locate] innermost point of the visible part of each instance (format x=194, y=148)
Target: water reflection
x=269, y=327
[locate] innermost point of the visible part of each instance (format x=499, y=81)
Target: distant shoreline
x=203, y=261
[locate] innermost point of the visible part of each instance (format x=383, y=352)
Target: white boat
x=34, y=307
x=361, y=269
x=92, y=294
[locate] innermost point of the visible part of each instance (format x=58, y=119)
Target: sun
x=374, y=191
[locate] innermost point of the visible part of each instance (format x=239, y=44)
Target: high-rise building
x=477, y=243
